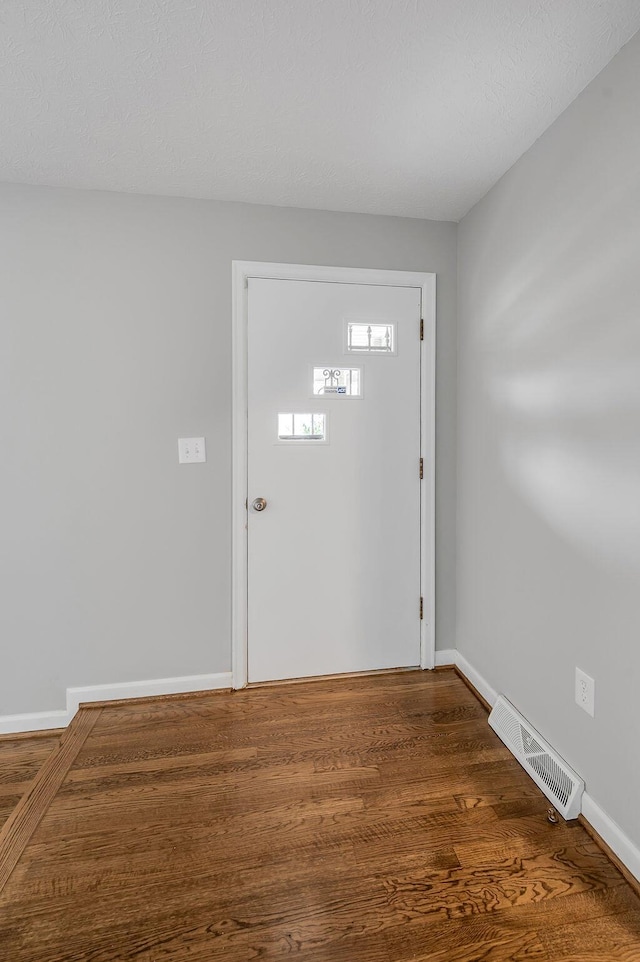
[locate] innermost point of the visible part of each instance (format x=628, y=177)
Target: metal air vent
x=559, y=783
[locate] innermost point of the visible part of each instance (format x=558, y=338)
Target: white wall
x=549, y=434
x=116, y=339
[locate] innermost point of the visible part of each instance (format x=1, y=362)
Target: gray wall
x=549, y=434
x=116, y=339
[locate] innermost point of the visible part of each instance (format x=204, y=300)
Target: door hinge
x=421, y=608
x=421, y=329
x=421, y=469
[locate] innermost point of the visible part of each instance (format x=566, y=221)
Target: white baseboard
x=612, y=834
x=143, y=689
x=450, y=656
x=476, y=679
x=36, y=721
x=607, y=829
x=41, y=721
x=445, y=657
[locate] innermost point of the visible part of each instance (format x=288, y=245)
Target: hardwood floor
x=369, y=819
x=21, y=758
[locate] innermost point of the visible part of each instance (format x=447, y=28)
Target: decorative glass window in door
x=371, y=338
x=337, y=381
x=302, y=427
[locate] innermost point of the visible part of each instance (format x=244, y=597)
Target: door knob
x=259, y=504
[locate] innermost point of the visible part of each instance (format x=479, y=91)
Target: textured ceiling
x=410, y=107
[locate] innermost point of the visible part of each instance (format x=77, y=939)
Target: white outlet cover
x=191, y=450
x=585, y=692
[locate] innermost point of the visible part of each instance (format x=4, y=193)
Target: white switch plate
x=585, y=692
x=191, y=450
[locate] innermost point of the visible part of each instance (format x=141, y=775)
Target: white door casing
x=332, y=498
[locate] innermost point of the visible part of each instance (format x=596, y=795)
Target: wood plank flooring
x=374, y=819
x=19, y=827
x=21, y=758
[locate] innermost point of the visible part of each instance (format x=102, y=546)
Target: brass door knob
x=259, y=504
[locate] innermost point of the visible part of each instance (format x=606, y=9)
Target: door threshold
x=318, y=678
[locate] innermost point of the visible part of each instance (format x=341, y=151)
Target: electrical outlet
x=191, y=450
x=585, y=692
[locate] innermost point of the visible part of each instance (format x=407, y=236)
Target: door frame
x=426, y=282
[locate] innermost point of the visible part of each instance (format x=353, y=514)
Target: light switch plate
x=191, y=450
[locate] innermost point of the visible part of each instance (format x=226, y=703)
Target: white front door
x=334, y=437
